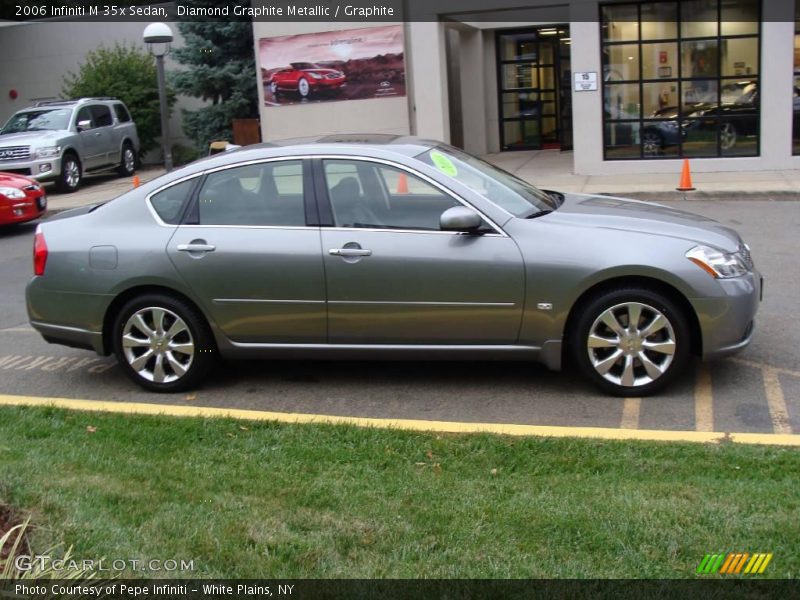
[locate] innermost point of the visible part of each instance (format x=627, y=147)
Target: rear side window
x=169, y=203
x=102, y=115
x=266, y=194
x=123, y=116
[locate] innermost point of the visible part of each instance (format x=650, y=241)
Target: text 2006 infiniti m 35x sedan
x=387, y=247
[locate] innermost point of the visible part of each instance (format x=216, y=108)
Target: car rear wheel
x=70, y=178
x=303, y=88
x=127, y=161
x=630, y=342
x=162, y=343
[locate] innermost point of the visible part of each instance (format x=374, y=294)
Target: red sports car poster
x=350, y=64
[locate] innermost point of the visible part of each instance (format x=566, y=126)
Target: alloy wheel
x=727, y=136
x=302, y=87
x=158, y=344
x=631, y=344
x=129, y=159
x=72, y=173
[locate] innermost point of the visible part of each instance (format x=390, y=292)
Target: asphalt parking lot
x=756, y=391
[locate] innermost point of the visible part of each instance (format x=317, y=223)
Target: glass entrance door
x=534, y=100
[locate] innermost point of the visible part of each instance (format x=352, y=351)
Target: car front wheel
x=631, y=342
x=162, y=343
x=70, y=177
x=303, y=88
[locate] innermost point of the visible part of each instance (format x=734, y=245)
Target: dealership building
x=626, y=87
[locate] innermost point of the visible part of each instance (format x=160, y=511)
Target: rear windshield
x=507, y=191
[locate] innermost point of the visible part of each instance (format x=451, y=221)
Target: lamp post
x=158, y=37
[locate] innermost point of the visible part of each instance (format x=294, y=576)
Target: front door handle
x=350, y=252
x=196, y=247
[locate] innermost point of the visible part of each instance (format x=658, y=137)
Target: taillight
x=39, y=252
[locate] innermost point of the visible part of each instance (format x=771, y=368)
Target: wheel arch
x=650, y=283
x=139, y=290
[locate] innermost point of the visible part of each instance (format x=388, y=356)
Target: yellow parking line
x=776, y=402
x=760, y=365
x=630, y=413
x=407, y=424
x=703, y=400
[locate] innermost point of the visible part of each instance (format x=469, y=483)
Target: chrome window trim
x=499, y=232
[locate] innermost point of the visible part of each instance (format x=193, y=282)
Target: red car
x=305, y=78
x=21, y=199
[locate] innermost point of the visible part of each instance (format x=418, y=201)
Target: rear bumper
x=727, y=323
x=74, y=337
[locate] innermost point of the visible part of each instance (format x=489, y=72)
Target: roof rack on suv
x=72, y=101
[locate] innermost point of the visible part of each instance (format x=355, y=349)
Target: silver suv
x=63, y=140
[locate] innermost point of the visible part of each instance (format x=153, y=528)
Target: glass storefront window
x=681, y=81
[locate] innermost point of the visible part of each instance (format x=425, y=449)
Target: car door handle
x=350, y=252
x=194, y=247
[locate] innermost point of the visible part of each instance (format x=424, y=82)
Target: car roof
x=374, y=144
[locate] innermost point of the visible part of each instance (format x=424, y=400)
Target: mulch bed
x=7, y=521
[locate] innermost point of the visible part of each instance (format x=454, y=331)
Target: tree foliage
x=127, y=73
x=221, y=71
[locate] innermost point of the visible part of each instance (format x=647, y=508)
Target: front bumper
x=41, y=169
x=727, y=322
x=31, y=207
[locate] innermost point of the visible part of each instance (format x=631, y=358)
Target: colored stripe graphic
x=734, y=563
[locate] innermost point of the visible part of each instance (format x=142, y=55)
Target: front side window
x=264, y=194
x=84, y=118
x=377, y=196
x=680, y=79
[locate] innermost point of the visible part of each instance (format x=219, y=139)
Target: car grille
x=15, y=153
x=332, y=76
x=744, y=251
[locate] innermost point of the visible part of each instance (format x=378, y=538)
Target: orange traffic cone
x=686, y=178
x=136, y=181
x=402, y=184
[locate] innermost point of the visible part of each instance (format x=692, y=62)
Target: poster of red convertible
x=350, y=64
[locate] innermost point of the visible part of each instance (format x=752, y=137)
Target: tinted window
x=122, y=113
x=372, y=195
x=169, y=203
x=102, y=115
x=263, y=194
x=85, y=114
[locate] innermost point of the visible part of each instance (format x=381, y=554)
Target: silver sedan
x=387, y=247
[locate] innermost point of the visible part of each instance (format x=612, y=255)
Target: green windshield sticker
x=444, y=164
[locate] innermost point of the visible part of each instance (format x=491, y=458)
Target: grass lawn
x=246, y=499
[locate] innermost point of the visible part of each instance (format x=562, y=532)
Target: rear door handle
x=194, y=247
x=350, y=252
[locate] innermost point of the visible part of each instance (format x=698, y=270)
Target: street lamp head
x=157, y=36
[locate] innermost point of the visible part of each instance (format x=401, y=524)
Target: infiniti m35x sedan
x=393, y=247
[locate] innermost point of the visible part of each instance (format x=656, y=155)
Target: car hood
x=40, y=138
x=14, y=180
x=627, y=215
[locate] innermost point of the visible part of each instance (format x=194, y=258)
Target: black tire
x=127, y=161
x=196, y=333
x=652, y=143
x=69, y=179
x=621, y=302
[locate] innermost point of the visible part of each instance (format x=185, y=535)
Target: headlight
x=12, y=193
x=718, y=264
x=48, y=152
x=316, y=75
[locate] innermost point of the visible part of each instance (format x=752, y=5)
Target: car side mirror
x=84, y=125
x=460, y=218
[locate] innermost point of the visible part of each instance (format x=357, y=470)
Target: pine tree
x=222, y=70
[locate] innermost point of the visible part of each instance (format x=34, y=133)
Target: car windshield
x=507, y=191
x=37, y=120
x=304, y=65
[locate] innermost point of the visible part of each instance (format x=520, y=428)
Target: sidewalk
x=547, y=169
